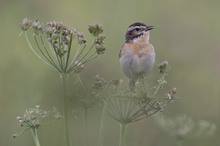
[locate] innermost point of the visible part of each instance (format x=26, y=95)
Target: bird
x=137, y=54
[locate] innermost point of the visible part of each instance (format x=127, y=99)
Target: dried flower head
x=32, y=117
x=163, y=67
x=99, y=44
x=56, y=31
x=100, y=39
x=81, y=38
x=37, y=26
x=96, y=29
x=100, y=48
x=26, y=23
x=172, y=94
x=32, y=120
x=55, y=50
x=99, y=82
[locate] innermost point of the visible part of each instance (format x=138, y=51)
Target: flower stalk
x=35, y=136
x=123, y=131
x=86, y=125
x=64, y=78
x=101, y=126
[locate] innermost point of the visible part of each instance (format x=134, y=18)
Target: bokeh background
x=187, y=34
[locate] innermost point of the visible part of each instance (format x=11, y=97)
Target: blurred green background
x=187, y=34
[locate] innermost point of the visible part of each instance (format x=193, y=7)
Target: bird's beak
x=149, y=28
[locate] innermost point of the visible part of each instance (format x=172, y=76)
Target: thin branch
x=30, y=46
x=76, y=56
x=48, y=59
x=68, y=53
x=58, y=58
x=54, y=64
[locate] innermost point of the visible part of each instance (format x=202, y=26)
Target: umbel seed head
x=56, y=50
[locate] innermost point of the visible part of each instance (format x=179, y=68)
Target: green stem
x=159, y=85
x=100, y=138
x=123, y=130
x=64, y=78
x=68, y=52
x=86, y=126
x=35, y=136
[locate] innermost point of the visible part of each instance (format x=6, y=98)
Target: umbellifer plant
x=64, y=49
x=128, y=107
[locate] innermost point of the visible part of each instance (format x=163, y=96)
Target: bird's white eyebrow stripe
x=134, y=27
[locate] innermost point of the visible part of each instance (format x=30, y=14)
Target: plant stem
x=100, y=138
x=159, y=85
x=64, y=78
x=123, y=130
x=35, y=136
x=86, y=126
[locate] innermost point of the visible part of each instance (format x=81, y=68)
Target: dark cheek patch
x=131, y=35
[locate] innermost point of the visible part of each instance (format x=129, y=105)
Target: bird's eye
x=137, y=29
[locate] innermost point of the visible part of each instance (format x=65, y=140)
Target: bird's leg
x=141, y=78
x=132, y=84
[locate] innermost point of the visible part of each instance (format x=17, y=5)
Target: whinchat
x=137, y=55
